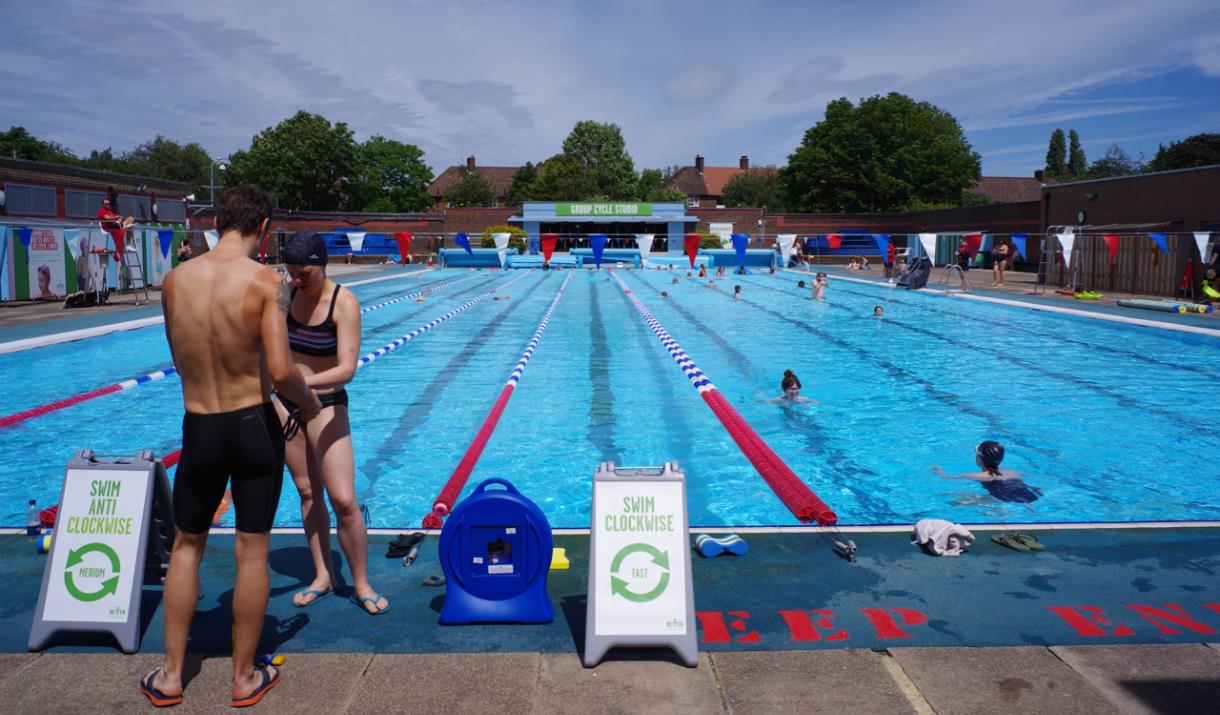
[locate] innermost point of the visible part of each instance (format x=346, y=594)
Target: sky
x=506, y=81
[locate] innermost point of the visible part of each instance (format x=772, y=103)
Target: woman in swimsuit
x=1003, y=484
x=1000, y=257
x=324, y=334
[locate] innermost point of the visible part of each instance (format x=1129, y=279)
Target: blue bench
x=375, y=244
x=479, y=258
x=755, y=258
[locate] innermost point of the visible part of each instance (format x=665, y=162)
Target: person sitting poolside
x=1002, y=484
x=864, y=266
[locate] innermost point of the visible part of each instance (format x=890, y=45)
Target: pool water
x=1109, y=422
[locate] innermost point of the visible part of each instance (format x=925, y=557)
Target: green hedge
x=516, y=241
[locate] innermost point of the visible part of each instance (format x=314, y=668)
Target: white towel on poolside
x=941, y=538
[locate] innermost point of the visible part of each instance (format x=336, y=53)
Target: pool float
x=559, y=559
x=1087, y=295
x=1165, y=306
x=709, y=546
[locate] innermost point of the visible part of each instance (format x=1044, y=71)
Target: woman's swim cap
x=990, y=453
x=304, y=248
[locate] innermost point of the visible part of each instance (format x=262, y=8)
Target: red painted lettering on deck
x=1155, y=616
x=1086, y=620
x=713, y=627
x=802, y=628
x=740, y=625
x=885, y=624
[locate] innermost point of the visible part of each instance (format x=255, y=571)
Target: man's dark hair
x=243, y=208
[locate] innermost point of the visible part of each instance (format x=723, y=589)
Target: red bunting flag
x=1111, y=240
x=548, y=241
x=974, y=241
x=691, y=241
x=404, y=246
x=834, y=240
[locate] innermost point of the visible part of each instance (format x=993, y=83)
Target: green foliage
x=1078, y=165
x=967, y=198
x=524, y=186
x=1056, y=155
x=1115, y=162
x=516, y=242
x=472, y=190
x=304, y=161
x=599, y=148
x=882, y=155
x=649, y=187
x=707, y=239
x=565, y=179
x=20, y=144
x=1197, y=150
x=390, y=174
x=760, y=187
x=164, y=158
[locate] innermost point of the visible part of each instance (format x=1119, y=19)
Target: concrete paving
x=945, y=681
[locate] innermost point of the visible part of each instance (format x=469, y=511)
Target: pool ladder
x=953, y=270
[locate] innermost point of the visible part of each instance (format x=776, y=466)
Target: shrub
x=709, y=240
x=515, y=242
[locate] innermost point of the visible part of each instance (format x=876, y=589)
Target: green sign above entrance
x=635, y=209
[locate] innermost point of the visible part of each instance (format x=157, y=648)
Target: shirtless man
x=226, y=322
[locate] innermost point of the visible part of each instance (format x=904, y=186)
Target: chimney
x=744, y=162
x=470, y=163
x=698, y=163
x=1038, y=174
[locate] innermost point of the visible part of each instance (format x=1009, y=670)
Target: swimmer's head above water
x=988, y=456
x=791, y=385
x=305, y=256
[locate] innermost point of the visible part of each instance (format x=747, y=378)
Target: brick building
x=704, y=185
x=499, y=177
x=42, y=190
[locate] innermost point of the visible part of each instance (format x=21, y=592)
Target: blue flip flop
x=269, y=682
x=156, y=697
x=373, y=600
x=317, y=593
x=710, y=546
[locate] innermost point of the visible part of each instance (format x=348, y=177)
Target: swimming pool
x=1110, y=422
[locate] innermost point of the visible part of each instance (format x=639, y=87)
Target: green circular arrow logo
x=109, y=586
x=620, y=586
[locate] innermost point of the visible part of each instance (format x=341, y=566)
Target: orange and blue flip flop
x=156, y=697
x=269, y=682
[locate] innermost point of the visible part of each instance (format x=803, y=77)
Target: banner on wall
x=157, y=255
x=1159, y=240
x=927, y=241
x=643, y=241
x=501, y=240
x=724, y=230
x=785, y=241
x=46, y=264
x=1067, y=240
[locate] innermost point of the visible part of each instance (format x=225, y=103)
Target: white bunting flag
x=785, y=241
x=211, y=237
x=1201, y=239
x=501, y=240
x=643, y=241
x=928, y=242
x=1067, y=240
x=356, y=238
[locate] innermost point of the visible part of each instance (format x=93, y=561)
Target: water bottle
x=33, y=525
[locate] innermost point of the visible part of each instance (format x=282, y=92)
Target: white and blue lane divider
x=9, y=420
x=515, y=378
x=399, y=342
x=697, y=379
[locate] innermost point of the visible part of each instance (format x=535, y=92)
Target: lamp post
x=217, y=163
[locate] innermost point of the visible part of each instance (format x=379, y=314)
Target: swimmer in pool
x=737, y=292
x=664, y=294
x=878, y=311
x=791, y=386
x=800, y=284
x=502, y=297
x=675, y=280
x=1003, y=484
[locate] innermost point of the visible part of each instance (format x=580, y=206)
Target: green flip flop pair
x=1019, y=542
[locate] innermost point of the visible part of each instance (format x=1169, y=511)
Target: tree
x=524, y=186
x=649, y=187
x=471, y=190
x=883, y=155
x=17, y=143
x=393, y=171
x=162, y=158
x=1197, y=150
x=1056, y=155
x=760, y=187
x=566, y=179
x=1077, y=163
x=599, y=148
x=304, y=161
x=1115, y=162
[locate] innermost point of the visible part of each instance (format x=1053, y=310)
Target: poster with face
x=46, y=265
x=86, y=263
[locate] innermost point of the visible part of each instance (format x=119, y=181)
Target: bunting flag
x=1159, y=240
x=501, y=240
x=740, y=242
x=1201, y=239
x=24, y=234
x=834, y=240
x=463, y=242
x=726, y=239
x=987, y=243
x=927, y=241
x=3, y=262
x=643, y=241
x=534, y=245
x=356, y=239
x=403, y=239
x=1018, y=244
x=1111, y=240
x=691, y=242
x=973, y=241
x=597, y=241
x=1067, y=239
x=211, y=237
x=548, y=241
x=883, y=244
x=71, y=237
x=785, y=241
x=165, y=237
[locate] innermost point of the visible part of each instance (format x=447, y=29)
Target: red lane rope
x=461, y=473
x=794, y=493
x=10, y=420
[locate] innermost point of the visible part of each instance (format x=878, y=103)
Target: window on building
x=171, y=210
x=29, y=200
x=138, y=206
x=693, y=202
x=82, y=204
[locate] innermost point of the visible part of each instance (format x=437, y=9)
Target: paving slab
x=841, y=681
x=12, y=663
x=626, y=686
x=478, y=682
x=77, y=683
x=1009, y=680
x=1150, y=678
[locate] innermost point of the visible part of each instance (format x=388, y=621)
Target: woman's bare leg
x=307, y=476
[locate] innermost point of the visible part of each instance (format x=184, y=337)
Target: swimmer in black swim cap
x=1002, y=484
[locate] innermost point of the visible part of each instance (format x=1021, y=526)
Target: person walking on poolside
x=1000, y=256
x=224, y=320
x=324, y=334
x=963, y=262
